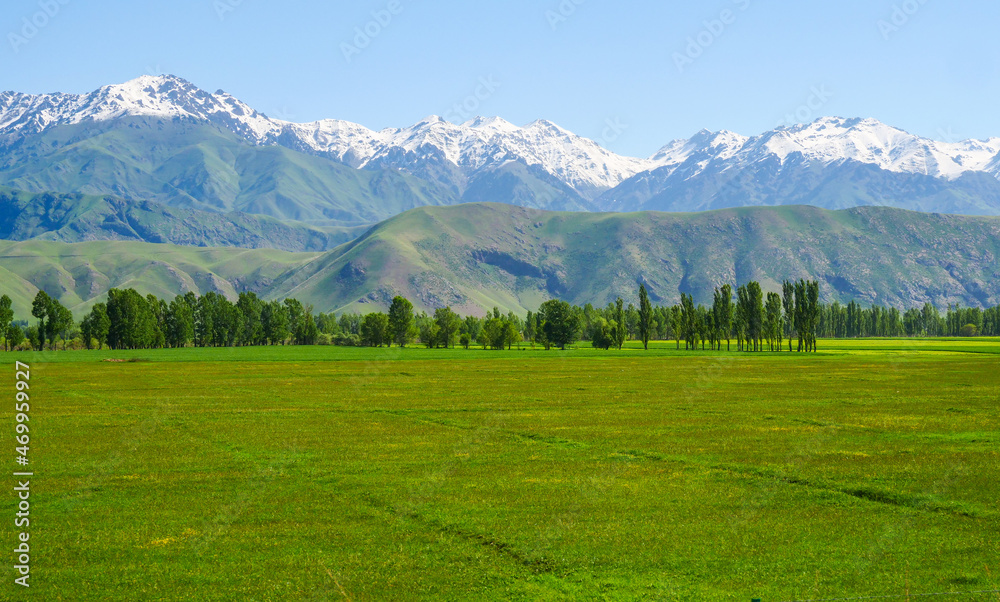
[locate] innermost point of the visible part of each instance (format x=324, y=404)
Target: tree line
x=746, y=318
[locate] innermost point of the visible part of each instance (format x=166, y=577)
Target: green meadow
x=871, y=468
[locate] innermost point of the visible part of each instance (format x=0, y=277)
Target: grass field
x=321, y=473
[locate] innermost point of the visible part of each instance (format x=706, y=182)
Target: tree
x=350, y=323
x=15, y=335
x=812, y=300
x=494, y=333
x=727, y=312
x=512, y=331
x=472, y=326
x=179, y=322
x=677, y=323
x=131, y=321
x=204, y=320
x=62, y=321
x=429, y=332
x=722, y=314
x=34, y=337
x=620, y=330
x=251, y=328
x=40, y=308
x=101, y=323
x=773, y=324
x=401, y=320
x=645, y=316
x=540, y=336
x=788, y=302
x=689, y=328
x=275, y=323
x=375, y=330
x=301, y=324
x=755, y=314
x=448, y=323
x=603, y=334
x=6, y=317
x=559, y=322
x=227, y=321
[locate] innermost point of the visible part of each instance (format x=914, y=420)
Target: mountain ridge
x=473, y=257
x=574, y=172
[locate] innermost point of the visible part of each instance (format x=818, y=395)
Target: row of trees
x=748, y=316
x=853, y=320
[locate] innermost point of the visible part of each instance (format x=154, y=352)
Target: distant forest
x=744, y=319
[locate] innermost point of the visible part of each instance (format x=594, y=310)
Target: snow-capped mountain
x=480, y=143
x=832, y=140
x=147, y=96
x=831, y=162
x=477, y=144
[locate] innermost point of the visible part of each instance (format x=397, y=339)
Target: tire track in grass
x=501, y=548
x=869, y=494
x=530, y=436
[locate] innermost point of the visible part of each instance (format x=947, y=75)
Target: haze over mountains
x=158, y=160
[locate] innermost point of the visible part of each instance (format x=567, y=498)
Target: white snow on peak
x=489, y=142
x=479, y=143
x=163, y=96
x=834, y=139
x=713, y=145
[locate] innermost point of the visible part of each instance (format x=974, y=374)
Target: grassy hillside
x=80, y=274
x=477, y=256
x=81, y=218
x=474, y=256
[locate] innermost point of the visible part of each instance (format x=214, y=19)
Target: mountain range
x=477, y=256
x=160, y=185
x=162, y=139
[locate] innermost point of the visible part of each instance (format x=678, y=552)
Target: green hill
x=80, y=274
x=81, y=218
x=478, y=256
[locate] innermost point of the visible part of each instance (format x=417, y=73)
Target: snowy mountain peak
x=159, y=96
x=484, y=143
x=831, y=140
x=870, y=141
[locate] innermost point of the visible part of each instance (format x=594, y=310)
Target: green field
x=323, y=473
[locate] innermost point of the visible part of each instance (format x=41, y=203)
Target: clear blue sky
x=936, y=74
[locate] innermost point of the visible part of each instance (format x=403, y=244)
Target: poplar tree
x=645, y=316
x=6, y=319
x=621, y=331
x=788, y=301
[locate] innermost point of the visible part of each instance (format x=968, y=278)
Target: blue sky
x=632, y=75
